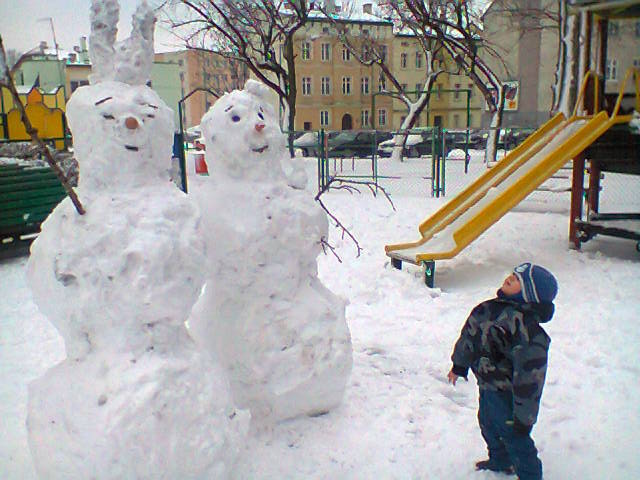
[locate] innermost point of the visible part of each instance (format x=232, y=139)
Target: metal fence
x=436, y=162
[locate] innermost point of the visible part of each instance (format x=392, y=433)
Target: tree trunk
x=415, y=110
x=292, y=90
x=494, y=134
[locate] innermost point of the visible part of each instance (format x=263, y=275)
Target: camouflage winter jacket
x=506, y=348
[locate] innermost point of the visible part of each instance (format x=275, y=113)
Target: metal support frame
x=180, y=151
x=429, y=272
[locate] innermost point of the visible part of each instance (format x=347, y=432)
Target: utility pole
x=55, y=44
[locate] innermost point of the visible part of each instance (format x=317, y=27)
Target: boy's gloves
x=460, y=371
x=520, y=428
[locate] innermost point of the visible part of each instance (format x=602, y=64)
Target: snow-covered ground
x=399, y=418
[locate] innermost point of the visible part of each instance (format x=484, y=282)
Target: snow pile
x=135, y=397
x=280, y=333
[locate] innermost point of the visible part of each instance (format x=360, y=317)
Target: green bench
x=27, y=196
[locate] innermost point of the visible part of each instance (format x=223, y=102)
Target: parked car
x=459, y=139
x=192, y=133
x=355, y=144
x=417, y=144
x=385, y=148
x=309, y=145
x=515, y=136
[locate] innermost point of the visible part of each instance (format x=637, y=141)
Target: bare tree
x=6, y=81
x=258, y=33
x=371, y=51
x=455, y=25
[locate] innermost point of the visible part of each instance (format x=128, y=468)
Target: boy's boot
x=489, y=465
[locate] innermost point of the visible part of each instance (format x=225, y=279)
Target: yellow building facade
x=335, y=89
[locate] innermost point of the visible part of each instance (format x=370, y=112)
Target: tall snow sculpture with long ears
x=135, y=397
x=281, y=334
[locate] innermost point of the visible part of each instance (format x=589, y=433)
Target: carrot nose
x=131, y=123
x=259, y=126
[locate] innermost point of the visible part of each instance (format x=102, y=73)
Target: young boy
x=506, y=348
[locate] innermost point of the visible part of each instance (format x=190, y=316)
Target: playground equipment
x=491, y=196
x=45, y=111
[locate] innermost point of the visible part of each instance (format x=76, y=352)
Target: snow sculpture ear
x=104, y=28
x=256, y=88
x=128, y=61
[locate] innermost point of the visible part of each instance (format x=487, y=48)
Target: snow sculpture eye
x=235, y=118
x=260, y=116
x=107, y=116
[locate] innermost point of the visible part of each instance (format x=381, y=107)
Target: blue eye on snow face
x=260, y=116
x=235, y=118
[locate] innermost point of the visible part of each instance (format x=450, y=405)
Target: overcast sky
x=21, y=29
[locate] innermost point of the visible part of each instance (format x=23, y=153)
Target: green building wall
x=165, y=80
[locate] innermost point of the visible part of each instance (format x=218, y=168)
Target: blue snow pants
x=506, y=447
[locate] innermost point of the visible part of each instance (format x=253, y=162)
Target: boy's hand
x=452, y=377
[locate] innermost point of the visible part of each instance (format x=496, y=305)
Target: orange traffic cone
x=201, y=164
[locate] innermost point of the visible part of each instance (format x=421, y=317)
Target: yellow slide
x=498, y=190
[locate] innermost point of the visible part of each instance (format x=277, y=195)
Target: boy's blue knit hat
x=538, y=284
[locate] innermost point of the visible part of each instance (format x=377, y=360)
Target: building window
x=364, y=118
x=324, y=118
x=418, y=60
x=366, y=53
x=383, y=52
x=306, y=50
x=637, y=29
x=438, y=91
x=79, y=83
x=404, y=87
x=382, y=117
x=470, y=90
x=613, y=29
x=403, y=60
x=456, y=94
x=364, y=86
x=346, y=54
x=636, y=62
x=382, y=82
x=346, y=85
x=456, y=120
x=612, y=69
x=418, y=89
x=306, y=85
x=326, y=52
x=326, y=86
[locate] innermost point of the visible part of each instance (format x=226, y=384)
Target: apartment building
x=623, y=52
x=334, y=88
x=454, y=101
x=200, y=70
x=528, y=49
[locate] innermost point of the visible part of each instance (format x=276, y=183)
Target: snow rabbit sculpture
x=134, y=398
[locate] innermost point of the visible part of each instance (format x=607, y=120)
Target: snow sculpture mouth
x=131, y=147
x=260, y=149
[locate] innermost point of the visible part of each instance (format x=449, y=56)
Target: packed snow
x=399, y=417
x=164, y=335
